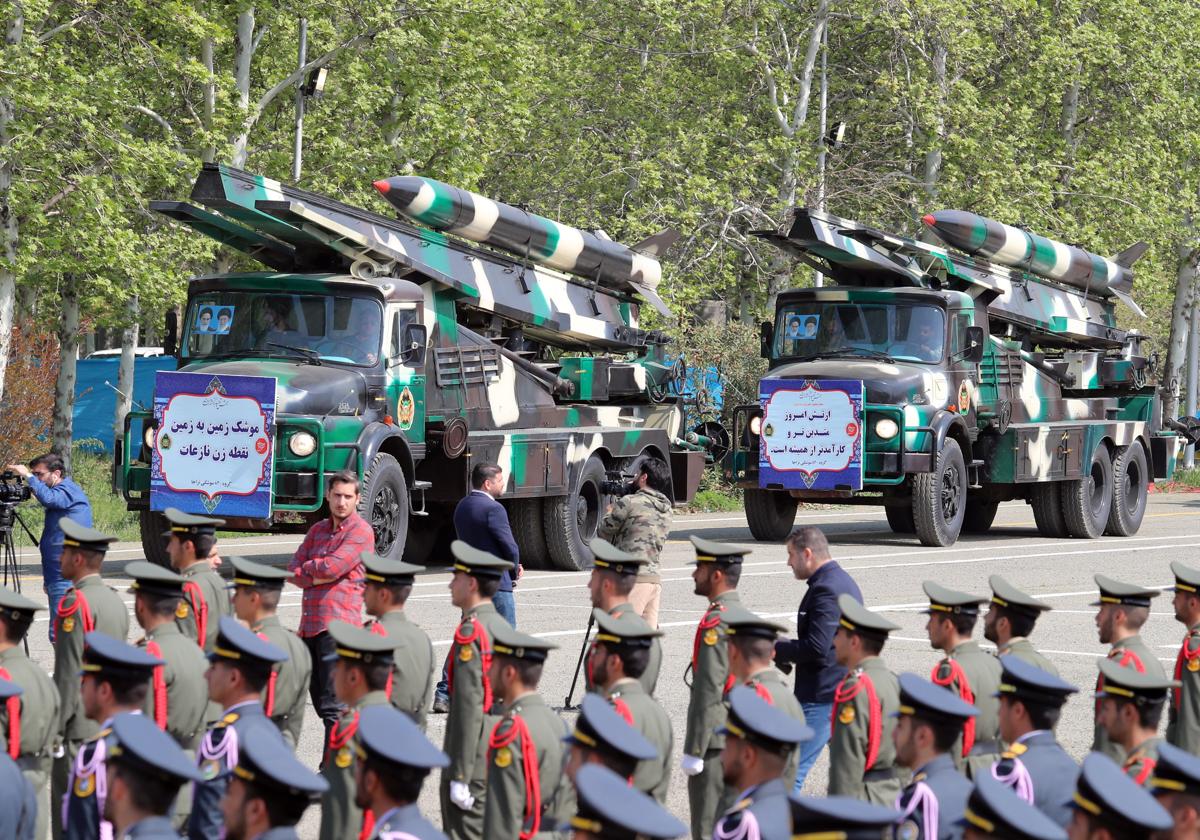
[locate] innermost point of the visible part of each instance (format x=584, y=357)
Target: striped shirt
x=328, y=567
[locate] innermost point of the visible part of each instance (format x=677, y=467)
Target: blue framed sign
x=213, y=444
x=812, y=434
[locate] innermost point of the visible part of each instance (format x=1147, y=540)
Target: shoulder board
x=229, y=718
x=742, y=804
x=1014, y=750
x=1192, y=647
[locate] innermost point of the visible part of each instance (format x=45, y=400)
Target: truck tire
x=900, y=518
x=1131, y=485
x=151, y=525
x=384, y=505
x=980, y=516
x=1087, y=501
x=529, y=530
x=940, y=497
x=1046, y=501
x=571, y=520
x=770, y=513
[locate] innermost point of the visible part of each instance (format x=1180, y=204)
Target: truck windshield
x=224, y=323
x=910, y=332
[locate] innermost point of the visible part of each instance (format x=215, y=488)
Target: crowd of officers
x=191, y=731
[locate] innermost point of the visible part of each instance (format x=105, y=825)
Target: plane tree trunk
x=8, y=216
x=64, y=389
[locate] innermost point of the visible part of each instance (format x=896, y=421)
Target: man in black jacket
x=811, y=652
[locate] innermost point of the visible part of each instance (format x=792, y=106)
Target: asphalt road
x=888, y=568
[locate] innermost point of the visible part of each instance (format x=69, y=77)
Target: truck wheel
x=900, y=519
x=529, y=530
x=152, y=524
x=940, y=497
x=1087, y=501
x=1046, y=501
x=1131, y=484
x=570, y=521
x=384, y=505
x=770, y=513
x=980, y=516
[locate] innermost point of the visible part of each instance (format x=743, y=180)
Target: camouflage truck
x=407, y=356
x=990, y=371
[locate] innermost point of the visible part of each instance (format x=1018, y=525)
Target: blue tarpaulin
x=95, y=402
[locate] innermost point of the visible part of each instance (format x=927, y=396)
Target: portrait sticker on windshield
x=802, y=327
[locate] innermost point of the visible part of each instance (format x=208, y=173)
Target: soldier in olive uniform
x=613, y=577
x=967, y=670
x=239, y=667
x=751, y=661
x=29, y=719
x=268, y=772
x=609, y=809
x=760, y=740
x=1124, y=609
x=89, y=605
x=362, y=666
x=1131, y=707
x=389, y=583
x=994, y=812
x=148, y=771
x=602, y=736
x=1010, y=619
x=620, y=652
x=474, y=581
x=205, y=595
x=116, y=679
x=178, y=698
x=527, y=793
x=718, y=570
x=1107, y=800
x=256, y=592
x=862, y=755
x=394, y=759
x=929, y=723
x=1183, y=720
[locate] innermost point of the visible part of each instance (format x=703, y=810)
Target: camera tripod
x=10, y=572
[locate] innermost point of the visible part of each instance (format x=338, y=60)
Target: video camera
x=618, y=483
x=13, y=491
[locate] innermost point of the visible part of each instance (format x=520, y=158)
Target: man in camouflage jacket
x=638, y=523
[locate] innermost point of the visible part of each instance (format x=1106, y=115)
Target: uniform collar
x=940, y=762
x=968, y=645
x=729, y=597
x=626, y=687
x=1033, y=736
x=526, y=701
x=401, y=812
x=372, y=698
x=89, y=580
x=154, y=826
x=167, y=628
x=482, y=608
x=271, y=620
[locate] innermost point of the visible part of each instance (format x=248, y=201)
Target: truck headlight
x=756, y=424
x=302, y=444
x=148, y=437
x=886, y=428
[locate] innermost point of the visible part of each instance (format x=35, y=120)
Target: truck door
x=406, y=370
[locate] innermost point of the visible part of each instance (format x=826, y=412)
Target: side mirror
x=412, y=346
x=766, y=336
x=974, y=338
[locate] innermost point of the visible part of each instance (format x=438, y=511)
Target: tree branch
x=62, y=27
x=166, y=126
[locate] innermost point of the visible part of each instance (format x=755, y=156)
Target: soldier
x=609, y=809
x=18, y=801
x=269, y=790
x=1009, y=621
x=828, y=817
x=239, y=668
x=718, y=569
x=389, y=583
x=178, y=698
x=1131, y=707
x=1176, y=786
x=620, y=652
x=862, y=756
x=205, y=596
x=1109, y=804
x=116, y=678
x=928, y=725
x=602, y=736
x=256, y=592
x=751, y=654
x=760, y=740
x=394, y=759
x=147, y=770
x=525, y=783
x=994, y=812
x=1035, y=765
x=360, y=676
x=1124, y=608
x=1183, y=720
x=89, y=605
x=475, y=579
x=28, y=720
x=967, y=670
x=613, y=578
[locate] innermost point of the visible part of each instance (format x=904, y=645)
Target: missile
x=1000, y=243
x=589, y=255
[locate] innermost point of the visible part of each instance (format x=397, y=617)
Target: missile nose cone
x=929, y=219
x=383, y=185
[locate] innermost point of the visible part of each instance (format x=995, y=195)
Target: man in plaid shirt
x=328, y=567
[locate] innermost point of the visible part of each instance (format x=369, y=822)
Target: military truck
x=990, y=371
x=407, y=356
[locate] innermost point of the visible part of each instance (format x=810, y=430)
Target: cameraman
x=61, y=497
x=638, y=523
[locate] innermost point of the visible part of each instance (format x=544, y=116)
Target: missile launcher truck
x=407, y=356
x=939, y=385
